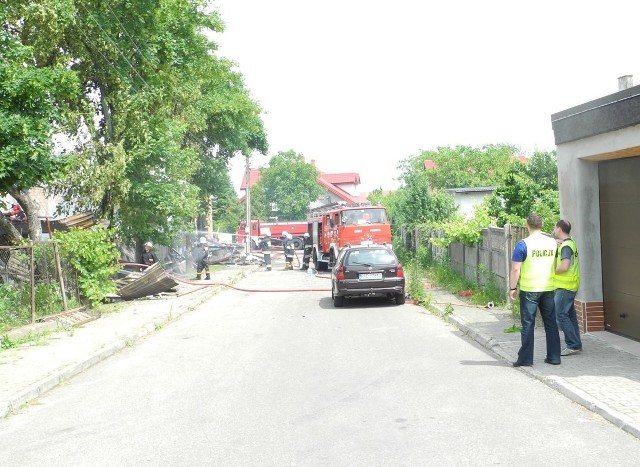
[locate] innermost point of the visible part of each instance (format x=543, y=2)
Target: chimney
x=313, y=162
x=625, y=82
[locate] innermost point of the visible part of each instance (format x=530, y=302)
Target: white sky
x=359, y=85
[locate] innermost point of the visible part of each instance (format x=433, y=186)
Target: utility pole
x=247, y=229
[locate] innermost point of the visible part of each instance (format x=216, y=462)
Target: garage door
x=620, y=235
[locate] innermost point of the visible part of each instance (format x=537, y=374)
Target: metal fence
x=490, y=259
x=34, y=283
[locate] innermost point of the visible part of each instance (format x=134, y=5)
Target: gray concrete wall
x=580, y=198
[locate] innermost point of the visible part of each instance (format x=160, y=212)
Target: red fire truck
x=335, y=226
x=296, y=229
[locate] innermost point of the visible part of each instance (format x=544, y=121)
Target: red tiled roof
x=522, y=159
x=429, y=165
x=336, y=190
x=349, y=177
x=254, y=176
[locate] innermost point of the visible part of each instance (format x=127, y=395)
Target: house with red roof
x=338, y=187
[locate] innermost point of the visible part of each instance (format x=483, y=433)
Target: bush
x=12, y=313
x=92, y=254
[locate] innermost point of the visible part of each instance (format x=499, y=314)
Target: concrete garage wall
x=604, y=129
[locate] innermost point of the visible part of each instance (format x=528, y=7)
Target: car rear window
x=381, y=257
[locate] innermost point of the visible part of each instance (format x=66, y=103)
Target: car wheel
x=400, y=298
x=337, y=301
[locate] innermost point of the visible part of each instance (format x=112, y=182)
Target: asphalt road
x=285, y=379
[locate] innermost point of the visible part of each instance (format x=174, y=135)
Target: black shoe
x=546, y=360
x=517, y=364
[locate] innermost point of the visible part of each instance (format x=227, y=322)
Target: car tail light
x=399, y=270
x=340, y=273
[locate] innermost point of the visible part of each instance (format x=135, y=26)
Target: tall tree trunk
x=9, y=235
x=31, y=208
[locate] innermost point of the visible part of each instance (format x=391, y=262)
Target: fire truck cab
x=334, y=227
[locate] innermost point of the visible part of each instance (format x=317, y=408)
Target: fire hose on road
x=206, y=283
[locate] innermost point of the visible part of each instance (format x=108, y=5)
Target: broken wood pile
x=151, y=281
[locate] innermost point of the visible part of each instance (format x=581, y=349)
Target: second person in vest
x=533, y=264
x=566, y=283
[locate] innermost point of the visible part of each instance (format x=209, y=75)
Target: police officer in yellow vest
x=566, y=283
x=533, y=263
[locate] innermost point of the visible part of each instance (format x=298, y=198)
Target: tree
x=465, y=166
x=528, y=188
x=415, y=202
x=32, y=106
x=288, y=184
x=160, y=109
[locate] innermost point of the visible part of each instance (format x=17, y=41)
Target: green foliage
x=91, y=253
x=388, y=200
x=528, y=188
x=289, y=185
x=162, y=113
x=6, y=343
x=32, y=337
x=443, y=275
x=423, y=256
x=465, y=166
x=415, y=284
x=512, y=329
x=15, y=303
x=489, y=292
x=404, y=255
x=466, y=231
x=416, y=205
x=421, y=198
x=448, y=309
x=30, y=110
x=12, y=311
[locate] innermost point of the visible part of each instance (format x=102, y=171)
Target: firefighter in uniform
x=533, y=264
x=201, y=260
x=148, y=256
x=287, y=245
x=308, y=248
x=265, y=245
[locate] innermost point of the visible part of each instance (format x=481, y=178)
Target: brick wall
x=590, y=315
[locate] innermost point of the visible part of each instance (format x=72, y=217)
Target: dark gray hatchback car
x=367, y=271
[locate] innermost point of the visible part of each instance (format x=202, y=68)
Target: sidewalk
x=604, y=377
x=31, y=370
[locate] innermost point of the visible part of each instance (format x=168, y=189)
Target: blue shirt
x=519, y=252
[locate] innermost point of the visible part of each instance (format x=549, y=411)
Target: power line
x=114, y=45
x=133, y=42
x=97, y=48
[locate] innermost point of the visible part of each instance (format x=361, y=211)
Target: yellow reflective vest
x=537, y=270
x=570, y=279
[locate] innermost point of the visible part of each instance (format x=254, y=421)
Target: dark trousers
x=306, y=258
x=529, y=304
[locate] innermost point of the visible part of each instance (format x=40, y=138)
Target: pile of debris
x=152, y=281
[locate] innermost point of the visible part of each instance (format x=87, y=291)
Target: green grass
x=37, y=338
x=443, y=275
